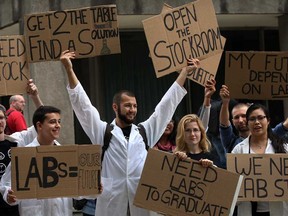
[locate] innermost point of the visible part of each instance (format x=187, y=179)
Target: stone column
x=50, y=79
x=283, y=38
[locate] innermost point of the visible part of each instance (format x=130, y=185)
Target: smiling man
x=47, y=122
x=125, y=156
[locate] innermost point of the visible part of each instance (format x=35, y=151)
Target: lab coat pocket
x=107, y=188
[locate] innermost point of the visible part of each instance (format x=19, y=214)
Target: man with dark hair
x=47, y=123
x=124, y=159
x=16, y=139
x=42, y=113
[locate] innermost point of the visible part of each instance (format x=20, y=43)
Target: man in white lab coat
x=46, y=121
x=124, y=159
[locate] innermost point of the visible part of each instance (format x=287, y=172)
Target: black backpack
x=108, y=136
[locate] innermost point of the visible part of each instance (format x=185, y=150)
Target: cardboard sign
x=265, y=176
x=90, y=31
x=207, y=70
x=189, y=31
x=13, y=65
x=257, y=75
x=174, y=187
x=56, y=171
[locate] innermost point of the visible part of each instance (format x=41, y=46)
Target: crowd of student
x=125, y=155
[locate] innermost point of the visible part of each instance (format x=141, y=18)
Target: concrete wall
x=10, y=9
x=283, y=36
x=221, y=6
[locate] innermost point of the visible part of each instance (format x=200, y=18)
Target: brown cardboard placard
x=207, y=70
x=56, y=171
x=174, y=187
x=90, y=31
x=208, y=66
x=188, y=31
x=13, y=65
x=265, y=176
x=257, y=75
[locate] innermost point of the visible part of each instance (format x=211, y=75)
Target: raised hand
x=31, y=88
x=66, y=57
x=210, y=88
x=224, y=93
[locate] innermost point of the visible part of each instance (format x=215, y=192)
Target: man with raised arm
x=124, y=158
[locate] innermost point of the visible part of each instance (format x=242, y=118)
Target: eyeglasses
x=258, y=118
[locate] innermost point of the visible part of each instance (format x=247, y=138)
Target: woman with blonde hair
x=191, y=140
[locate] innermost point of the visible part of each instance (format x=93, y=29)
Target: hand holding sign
x=31, y=88
x=11, y=198
x=210, y=88
x=192, y=65
x=206, y=162
x=224, y=93
x=66, y=57
x=181, y=155
x=90, y=31
x=176, y=187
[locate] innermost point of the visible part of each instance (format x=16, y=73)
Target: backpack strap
x=142, y=132
x=108, y=136
x=8, y=113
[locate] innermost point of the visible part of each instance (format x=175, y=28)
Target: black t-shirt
x=201, y=155
x=126, y=131
x=5, y=155
x=5, y=158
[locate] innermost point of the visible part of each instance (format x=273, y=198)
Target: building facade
x=259, y=25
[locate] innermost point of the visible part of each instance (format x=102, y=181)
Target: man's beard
x=123, y=117
x=243, y=129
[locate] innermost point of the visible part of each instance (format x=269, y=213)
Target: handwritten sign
x=174, y=187
x=89, y=31
x=14, y=70
x=56, y=171
x=257, y=75
x=266, y=176
x=207, y=70
x=189, y=31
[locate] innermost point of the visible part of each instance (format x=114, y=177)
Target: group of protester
x=126, y=153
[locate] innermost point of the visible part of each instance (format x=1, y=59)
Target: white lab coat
x=124, y=160
x=245, y=208
x=22, y=138
x=40, y=207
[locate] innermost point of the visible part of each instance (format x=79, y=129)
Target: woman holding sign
x=167, y=142
x=261, y=141
x=191, y=139
x=192, y=142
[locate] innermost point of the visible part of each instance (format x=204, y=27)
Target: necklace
x=258, y=146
